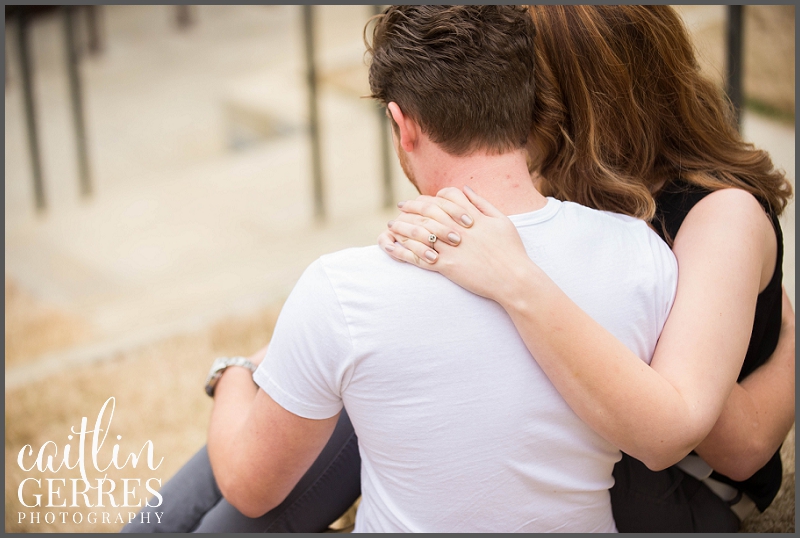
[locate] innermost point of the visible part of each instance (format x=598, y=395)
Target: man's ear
x=409, y=129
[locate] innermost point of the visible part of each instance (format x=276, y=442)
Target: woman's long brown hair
x=622, y=110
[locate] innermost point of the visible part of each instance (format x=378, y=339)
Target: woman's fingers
x=386, y=241
x=482, y=204
x=451, y=205
x=411, y=226
x=453, y=195
x=411, y=251
x=441, y=210
x=423, y=253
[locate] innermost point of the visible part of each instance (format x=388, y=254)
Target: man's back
x=458, y=427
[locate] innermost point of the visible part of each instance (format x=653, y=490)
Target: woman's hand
x=476, y=246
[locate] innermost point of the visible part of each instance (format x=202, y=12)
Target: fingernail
x=431, y=255
x=452, y=236
x=390, y=223
x=400, y=204
x=467, y=220
x=389, y=248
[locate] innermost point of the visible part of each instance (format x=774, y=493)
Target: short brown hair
x=464, y=73
x=622, y=110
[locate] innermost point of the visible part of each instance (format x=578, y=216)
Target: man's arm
x=258, y=449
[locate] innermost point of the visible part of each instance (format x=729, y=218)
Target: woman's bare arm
x=657, y=414
x=759, y=412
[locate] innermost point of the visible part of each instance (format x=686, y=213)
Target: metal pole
x=184, y=16
x=313, y=113
x=30, y=113
x=77, y=101
x=733, y=67
x=386, y=143
x=93, y=29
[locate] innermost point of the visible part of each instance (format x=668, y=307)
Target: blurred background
x=171, y=170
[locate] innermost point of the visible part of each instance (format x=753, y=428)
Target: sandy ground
x=54, y=329
x=159, y=398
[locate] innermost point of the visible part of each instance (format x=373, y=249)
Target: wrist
x=234, y=380
x=524, y=283
x=223, y=365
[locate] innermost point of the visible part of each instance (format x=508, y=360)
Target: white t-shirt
x=459, y=429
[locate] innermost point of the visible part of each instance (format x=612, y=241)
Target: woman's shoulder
x=680, y=198
x=727, y=221
x=732, y=205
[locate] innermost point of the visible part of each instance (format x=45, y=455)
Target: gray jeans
x=192, y=501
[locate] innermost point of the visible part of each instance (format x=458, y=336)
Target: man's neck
x=503, y=180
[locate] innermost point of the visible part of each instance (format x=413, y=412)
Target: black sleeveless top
x=673, y=204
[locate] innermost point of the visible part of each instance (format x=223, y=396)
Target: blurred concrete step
x=274, y=103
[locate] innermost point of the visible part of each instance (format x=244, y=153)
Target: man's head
x=464, y=74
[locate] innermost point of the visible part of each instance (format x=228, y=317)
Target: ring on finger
x=432, y=238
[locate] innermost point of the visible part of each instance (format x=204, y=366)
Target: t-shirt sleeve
x=309, y=359
x=667, y=267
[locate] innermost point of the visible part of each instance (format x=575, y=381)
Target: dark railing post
x=733, y=66
x=30, y=114
x=313, y=112
x=76, y=98
x=183, y=16
x=93, y=16
x=386, y=145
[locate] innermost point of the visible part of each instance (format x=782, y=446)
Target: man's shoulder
x=628, y=240
x=367, y=273
x=356, y=260
x=608, y=218
x=367, y=266
x=319, y=291
x=609, y=222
